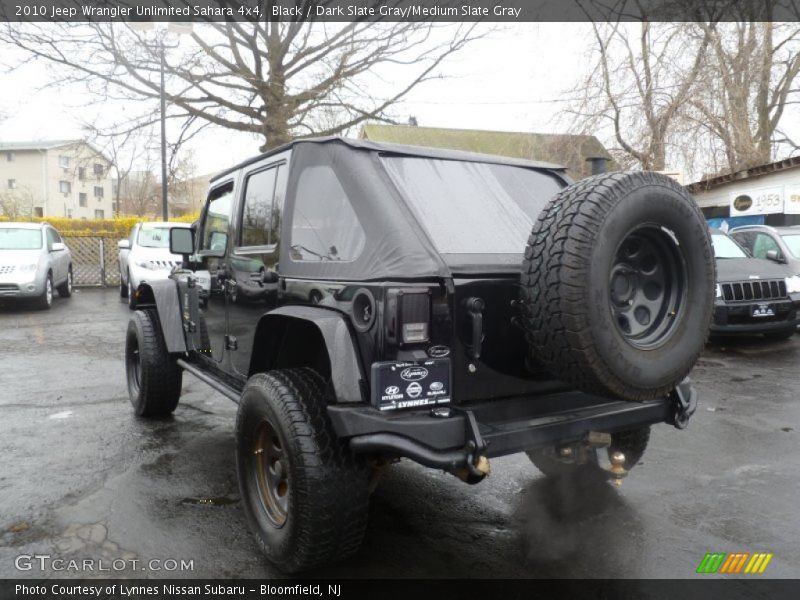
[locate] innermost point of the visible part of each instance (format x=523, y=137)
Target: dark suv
x=754, y=295
x=377, y=302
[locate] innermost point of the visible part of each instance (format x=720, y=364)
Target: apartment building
x=64, y=178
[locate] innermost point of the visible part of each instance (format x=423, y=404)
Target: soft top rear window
x=471, y=207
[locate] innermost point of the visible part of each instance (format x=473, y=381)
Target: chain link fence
x=95, y=260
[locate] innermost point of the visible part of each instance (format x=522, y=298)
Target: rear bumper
x=506, y=426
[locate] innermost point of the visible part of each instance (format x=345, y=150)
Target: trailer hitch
x=684, y=403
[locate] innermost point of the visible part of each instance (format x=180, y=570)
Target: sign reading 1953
x=762, y=201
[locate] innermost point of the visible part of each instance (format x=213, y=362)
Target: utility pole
x=164, y=203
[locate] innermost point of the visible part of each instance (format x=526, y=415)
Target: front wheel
x=154, y=377
x=131, y=294
x=305, y=495
x=45, y=300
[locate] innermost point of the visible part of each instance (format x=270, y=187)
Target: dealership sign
x=791, y=203
x=760, y=201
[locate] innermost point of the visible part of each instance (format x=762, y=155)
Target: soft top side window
x=324, y=225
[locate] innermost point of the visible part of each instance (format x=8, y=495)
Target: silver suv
x=33, y=261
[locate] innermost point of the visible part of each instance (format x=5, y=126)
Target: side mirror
x=124, y=244
x=181, y=241
x=774, y=256
x=58, y=247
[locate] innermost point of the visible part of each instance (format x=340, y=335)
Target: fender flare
x=347, y=377
x=165, y=295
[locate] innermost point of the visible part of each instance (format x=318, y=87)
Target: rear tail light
x=409, y=316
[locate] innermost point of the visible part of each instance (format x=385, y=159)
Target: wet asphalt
x=81, y=478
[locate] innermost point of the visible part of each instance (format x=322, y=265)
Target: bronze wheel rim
x=272, y=473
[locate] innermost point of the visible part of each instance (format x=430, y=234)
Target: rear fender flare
x=346, y=374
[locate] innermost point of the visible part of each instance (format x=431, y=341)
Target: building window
x=81, y=173
x=38, y=211
x=82, y=199
x=63, y=161
x=12, y=184
x=9, y=156
x=99, y=214
x=65, y=187
x=98, y=170
x=98, y=192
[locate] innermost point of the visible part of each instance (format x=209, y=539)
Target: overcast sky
x=511, y=81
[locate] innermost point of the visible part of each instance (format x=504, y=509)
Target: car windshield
x=20, y=239
x=792, y=242
x=473, y=207
x=725, y=247
x=154, y=237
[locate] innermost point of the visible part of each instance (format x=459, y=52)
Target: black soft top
x=397, y=245
x=399, y=150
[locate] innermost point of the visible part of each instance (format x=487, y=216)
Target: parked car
x=33, y=262
x=480, y=306
x=778, y=244
x=753, y=295
x=145, y=257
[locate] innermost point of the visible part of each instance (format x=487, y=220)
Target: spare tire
x=618, y=285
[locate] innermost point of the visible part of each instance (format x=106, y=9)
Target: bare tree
x=643, y=75
x=276, y=79
x=751, y=77
x=17, y=203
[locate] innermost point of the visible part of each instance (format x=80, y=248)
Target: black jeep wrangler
x=372, y=302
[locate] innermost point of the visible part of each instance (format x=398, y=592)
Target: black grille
x=743, y=291
x=8, y=287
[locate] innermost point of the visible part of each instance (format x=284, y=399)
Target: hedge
x=119, y=227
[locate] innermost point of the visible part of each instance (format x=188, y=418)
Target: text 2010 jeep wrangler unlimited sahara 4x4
x=374, y=301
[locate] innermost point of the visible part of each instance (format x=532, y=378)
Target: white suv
x=145, y=256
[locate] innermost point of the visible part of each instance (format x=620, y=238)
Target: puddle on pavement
x=217, y=501
x=787, y=429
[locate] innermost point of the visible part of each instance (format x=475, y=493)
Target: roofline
x=399, y=150
x=705, y=185
x=53, y=145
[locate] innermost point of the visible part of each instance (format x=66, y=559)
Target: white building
x=768, y=194
x=66, y=178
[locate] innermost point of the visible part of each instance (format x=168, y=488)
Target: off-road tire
x=65, y=289
x=326, y=513
x=569, y=296
x=153, y=375
x=45, y=299
x=631, y=443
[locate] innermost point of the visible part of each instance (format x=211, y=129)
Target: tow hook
x=684, y=403
x=477, y=464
